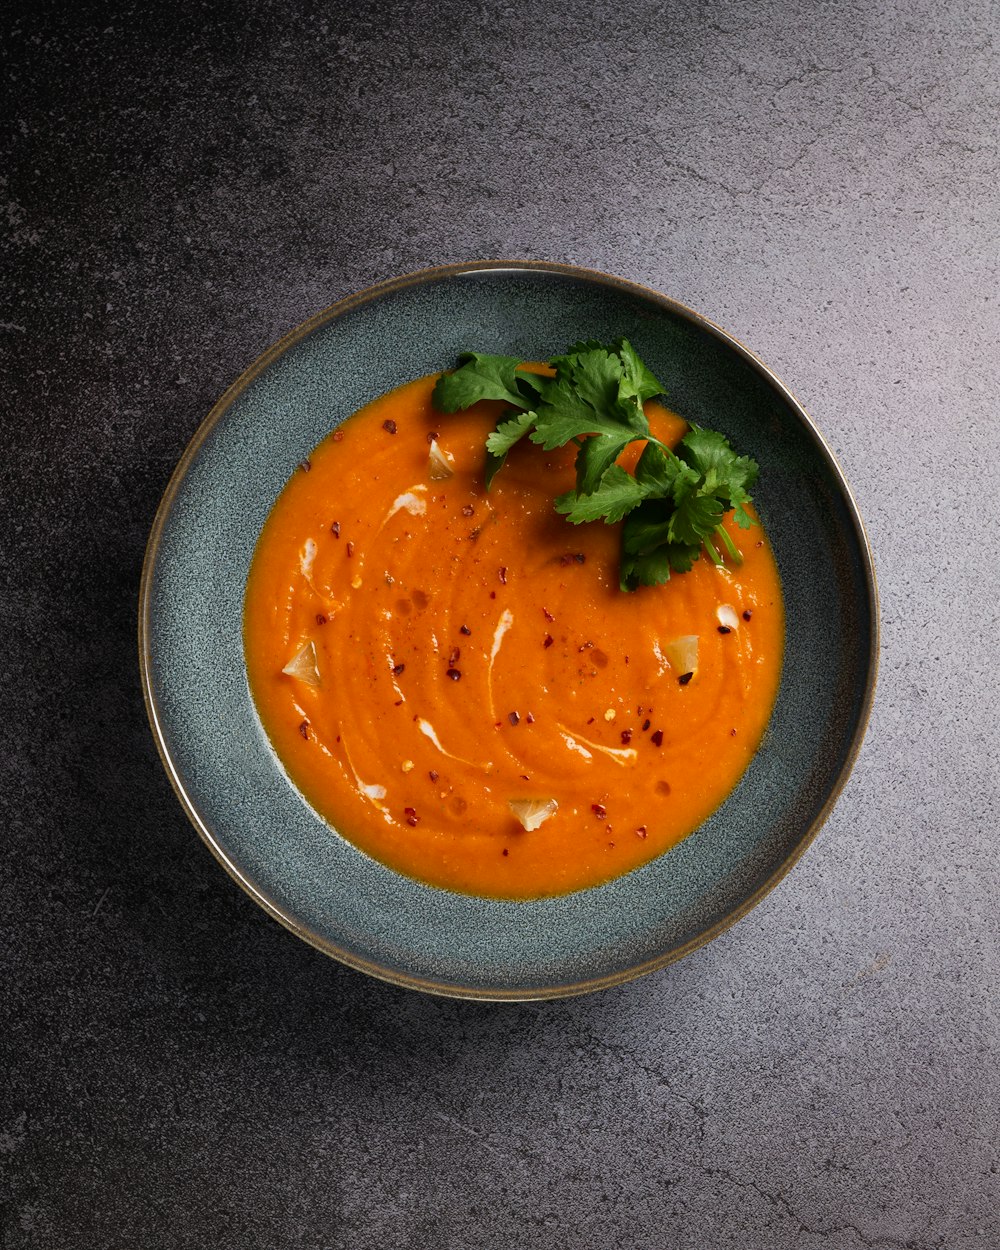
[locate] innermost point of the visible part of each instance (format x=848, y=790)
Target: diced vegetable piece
x=439, y=463
x=303, y=666
x=682, y=654
x=533, y=812
x=725, y=614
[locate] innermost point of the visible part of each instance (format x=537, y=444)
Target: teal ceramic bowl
x=234, y=789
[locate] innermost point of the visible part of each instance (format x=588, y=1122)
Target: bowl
x=232, y=786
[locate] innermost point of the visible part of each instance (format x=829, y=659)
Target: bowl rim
x=338, y=309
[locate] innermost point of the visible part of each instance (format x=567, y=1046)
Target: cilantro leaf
x=617, y=495
x=585, y=399
x=695, y=518
x=647, y=527
x=595, y=457
x=644, y=570
x=480, y=377
x=511, y=427
x=659, y=470
x=709, y=452
x=596, y=376
x=564, y=414
x=637, y=381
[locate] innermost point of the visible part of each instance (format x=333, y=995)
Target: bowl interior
x=234, y=787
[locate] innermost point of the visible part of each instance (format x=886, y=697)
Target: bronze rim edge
x=249, y=375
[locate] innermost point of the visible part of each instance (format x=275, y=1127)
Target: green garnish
x=672, y=507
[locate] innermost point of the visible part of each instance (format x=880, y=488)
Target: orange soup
x=453, y=679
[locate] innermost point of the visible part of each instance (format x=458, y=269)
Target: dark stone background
x=180, y=185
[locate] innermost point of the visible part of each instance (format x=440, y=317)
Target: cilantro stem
x=734, y=551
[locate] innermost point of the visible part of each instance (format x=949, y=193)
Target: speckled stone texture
x=182, y=185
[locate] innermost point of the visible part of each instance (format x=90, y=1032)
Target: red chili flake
x=663, y=787
x=645, y=725
x=389, y=426
x=338, y=436
x=732, y=733
x=586, y=646
x=548, y=640
x=468, y=510
x=304, y=730
x=454, y=674
x=505, y=851
x=434, y=774
x=747, y=614
x=580, y=558
x=464, y=629
x=513, y=717
x=397, y=669
x=411, y=815
x=454, y=656
x=626, y=659
x=547, y=614
x=626, y=737
x=493, y=594
x=320, y=618
x=724, y=629
x=599, y=810
x=530, y=719
x=685, y=678
x=759, y=542
x=525, y=777
x=350, y=550
x=335, y=529
x=398, y=703
x=305, y=465
x=432, y=436
x=573, y=558
x=503, y=575
x=641, y=831
x=657, y=738
x=591, y=721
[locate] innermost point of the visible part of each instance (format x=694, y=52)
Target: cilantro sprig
x=671, y=508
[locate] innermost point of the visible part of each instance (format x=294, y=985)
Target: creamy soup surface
x=436, y=665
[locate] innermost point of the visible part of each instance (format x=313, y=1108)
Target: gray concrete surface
x=180, y=186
